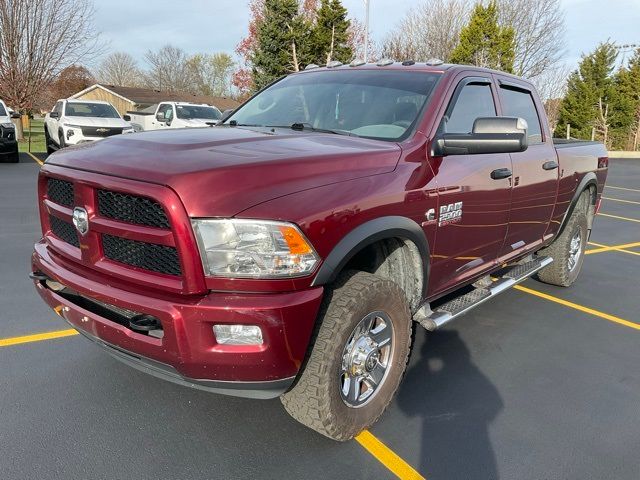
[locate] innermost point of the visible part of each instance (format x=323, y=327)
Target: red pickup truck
x=290, y=251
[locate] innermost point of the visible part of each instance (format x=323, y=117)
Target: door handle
x=550, y=165
x=499, y=173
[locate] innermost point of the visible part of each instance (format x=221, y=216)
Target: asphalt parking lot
x=542, y=382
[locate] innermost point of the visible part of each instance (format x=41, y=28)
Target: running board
x=512, y=275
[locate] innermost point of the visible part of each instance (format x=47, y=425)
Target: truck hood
x=5, y=119
x=222, y=171
x=96, y=122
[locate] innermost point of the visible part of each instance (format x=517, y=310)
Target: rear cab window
x=518, y=102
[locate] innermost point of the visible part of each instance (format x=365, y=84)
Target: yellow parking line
x=35, y=158
x=623, y=188
x=576, y=306
x=619, y=218
x=387, y=457
x=621, y=200
x=38, y=337
x=617, y=248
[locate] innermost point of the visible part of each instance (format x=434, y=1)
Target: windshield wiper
x=299, y=126
x=233, y=123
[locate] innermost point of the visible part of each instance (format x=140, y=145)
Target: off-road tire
x=558, y=272
x=315, y=399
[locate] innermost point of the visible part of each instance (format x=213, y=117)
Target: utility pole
x=366, y=30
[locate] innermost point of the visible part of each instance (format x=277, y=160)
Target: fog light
x=238, y=334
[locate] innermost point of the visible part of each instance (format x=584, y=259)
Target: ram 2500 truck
x=290, y=251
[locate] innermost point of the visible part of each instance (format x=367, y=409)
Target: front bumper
x=188, y=353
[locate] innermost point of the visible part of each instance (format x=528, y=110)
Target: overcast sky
x=218, y=25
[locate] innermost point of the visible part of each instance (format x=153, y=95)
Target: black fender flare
x=368, y=233
x=588, y=180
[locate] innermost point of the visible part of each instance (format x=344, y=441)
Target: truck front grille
x=149, y=256
x=100, y=131
x=131, y=209
x=60, y=192
x=64, y=231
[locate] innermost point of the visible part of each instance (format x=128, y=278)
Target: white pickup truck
x=174, y=115
x=8, y=142
x=77, y=121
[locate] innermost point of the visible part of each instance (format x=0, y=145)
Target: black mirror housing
x=54, y=115
x=489, y=135
x=15, y=115
x=126, y=118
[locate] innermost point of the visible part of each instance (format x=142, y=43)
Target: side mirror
x=160, y=117
x=489, y=135
x=126, y=118
x=15, y=115
x=54, y=115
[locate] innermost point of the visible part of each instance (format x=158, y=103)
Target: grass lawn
x=37, y=138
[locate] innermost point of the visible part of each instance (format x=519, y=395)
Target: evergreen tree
x=329, y=38
x=278, y=35
x=483, y=42
x=625, y=104
x=589, y=94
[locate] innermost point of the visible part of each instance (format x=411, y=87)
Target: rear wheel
x=357, y=358
x=568, y=249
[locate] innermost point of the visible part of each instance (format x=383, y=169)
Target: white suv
x=77, y=121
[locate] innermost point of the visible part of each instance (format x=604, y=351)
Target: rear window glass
x=519, y=103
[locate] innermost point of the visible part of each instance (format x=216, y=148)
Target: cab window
x=472, y=101
x=519, y=103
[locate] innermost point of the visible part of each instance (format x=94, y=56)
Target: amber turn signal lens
x=297, y=244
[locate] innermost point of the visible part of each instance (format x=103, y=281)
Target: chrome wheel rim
x=366, y=359
x=575, y=251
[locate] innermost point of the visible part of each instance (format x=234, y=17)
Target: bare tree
x=38, y=39
x=539, y=34
x=430, y=29
x=120, y=68
x=168, y=69
x=211, y=74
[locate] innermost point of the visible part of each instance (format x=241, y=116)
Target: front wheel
x=357, y=358
x=47, y=142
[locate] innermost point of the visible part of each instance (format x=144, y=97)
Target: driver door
x=473, y=208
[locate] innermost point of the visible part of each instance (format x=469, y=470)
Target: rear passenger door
x=473, y=208
x=535, y=172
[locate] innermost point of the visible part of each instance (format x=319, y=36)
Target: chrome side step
x=512, y=275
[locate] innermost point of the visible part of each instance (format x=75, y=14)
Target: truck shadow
x=455, y=402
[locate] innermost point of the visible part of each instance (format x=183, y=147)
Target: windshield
x=102, y=110
x=188, y=112
x=3, y=112
x=381, y=104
